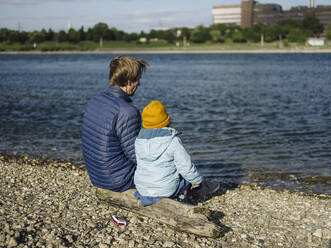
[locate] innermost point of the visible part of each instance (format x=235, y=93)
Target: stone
x=85, y=221
x=318, y=233
x=243, y=236
x=132, y=243
x=168, y=244
x=327, y=234
x=12, y=242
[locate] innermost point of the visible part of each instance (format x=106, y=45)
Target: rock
x=168, y=244
x=327, y=234
x=12, y=242
x=59, y=208
x=318, y=233
x=69, y=238
x=300, y=237
x=132, y=243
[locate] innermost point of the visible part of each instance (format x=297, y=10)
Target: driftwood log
x=180, y=216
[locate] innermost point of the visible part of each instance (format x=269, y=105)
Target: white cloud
x=160, y=18
x=34, y=2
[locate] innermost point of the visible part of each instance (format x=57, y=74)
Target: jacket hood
x=151, y=143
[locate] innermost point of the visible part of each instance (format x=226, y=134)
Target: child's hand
x=195, y=186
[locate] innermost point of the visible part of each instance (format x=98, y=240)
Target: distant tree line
x=291, y=30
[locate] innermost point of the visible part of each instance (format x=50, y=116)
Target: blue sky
x=127, y=15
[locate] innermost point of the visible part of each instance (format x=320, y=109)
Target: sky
x=126, y=15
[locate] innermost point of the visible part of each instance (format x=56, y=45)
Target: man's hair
x=124, y=68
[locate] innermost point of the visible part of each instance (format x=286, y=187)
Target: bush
x=25, y=48
x=88, y=45
x=296, y=35
x=328, y=33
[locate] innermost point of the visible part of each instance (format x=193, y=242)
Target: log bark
x=180, y=216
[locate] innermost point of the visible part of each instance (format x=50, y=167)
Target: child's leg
x=182, y=189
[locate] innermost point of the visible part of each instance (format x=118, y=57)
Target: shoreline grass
x=160, y=47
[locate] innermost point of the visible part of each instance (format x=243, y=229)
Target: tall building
x=227, y=14
x=247, y=16
x=251, y=12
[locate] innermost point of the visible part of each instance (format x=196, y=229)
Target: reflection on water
x=244, y=117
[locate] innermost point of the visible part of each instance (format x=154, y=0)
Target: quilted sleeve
x=127, y=128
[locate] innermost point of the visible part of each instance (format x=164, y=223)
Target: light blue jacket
x=161, y=158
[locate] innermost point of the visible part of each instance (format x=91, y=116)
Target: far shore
x=192, y=50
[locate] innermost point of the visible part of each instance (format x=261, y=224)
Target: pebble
x=12, y=242
x=46, y=203
x=318, y=233
x=168, y=244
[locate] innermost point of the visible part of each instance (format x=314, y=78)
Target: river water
x=243, y=117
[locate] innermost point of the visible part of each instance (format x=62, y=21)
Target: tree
x=100, y=30
x=200, y=34
x=50, y=35
x=154, y=34
x=285, y=26
x=296, y=35
x=115, y=34
x=312, y=23
x=251, y=35
x=169, y=36
x=13, y=37
x=73, y=36
x=130, y=37
x=4, y=34
x=328, y=33
x=61, y=36
x=272, y=33
x=81, y=33
x=222, y=27
x=37, y=37
x=216, y=36
x=218, y=32
x=186, y=32
x=238, y=36
x=89, y=34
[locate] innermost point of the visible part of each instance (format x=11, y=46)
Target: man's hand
x=195, y=186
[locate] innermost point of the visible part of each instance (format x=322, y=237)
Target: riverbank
x=192, y=50
x=53, y=204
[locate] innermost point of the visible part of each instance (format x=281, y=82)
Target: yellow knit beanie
x=155, y=115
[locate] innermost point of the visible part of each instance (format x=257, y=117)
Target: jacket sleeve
x=183, y=163
x=127, y=128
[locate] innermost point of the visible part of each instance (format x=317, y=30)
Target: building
x=227, y=14
x=251, y=12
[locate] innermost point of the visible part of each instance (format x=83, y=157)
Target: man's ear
x=128, y=83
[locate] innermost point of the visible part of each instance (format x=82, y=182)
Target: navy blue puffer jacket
x=110, y=126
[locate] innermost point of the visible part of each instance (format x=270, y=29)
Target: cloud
x=130, y=20
x=145, y=20
x=20, y=2
x=34, y=2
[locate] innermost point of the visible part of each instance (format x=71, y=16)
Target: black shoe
x=207, y=188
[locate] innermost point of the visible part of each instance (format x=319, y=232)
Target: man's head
x=125, y=72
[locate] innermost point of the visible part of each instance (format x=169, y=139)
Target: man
x=110, y=126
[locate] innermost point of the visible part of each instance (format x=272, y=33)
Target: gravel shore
x=44, y=203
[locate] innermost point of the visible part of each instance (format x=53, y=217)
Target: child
x=164, y=168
